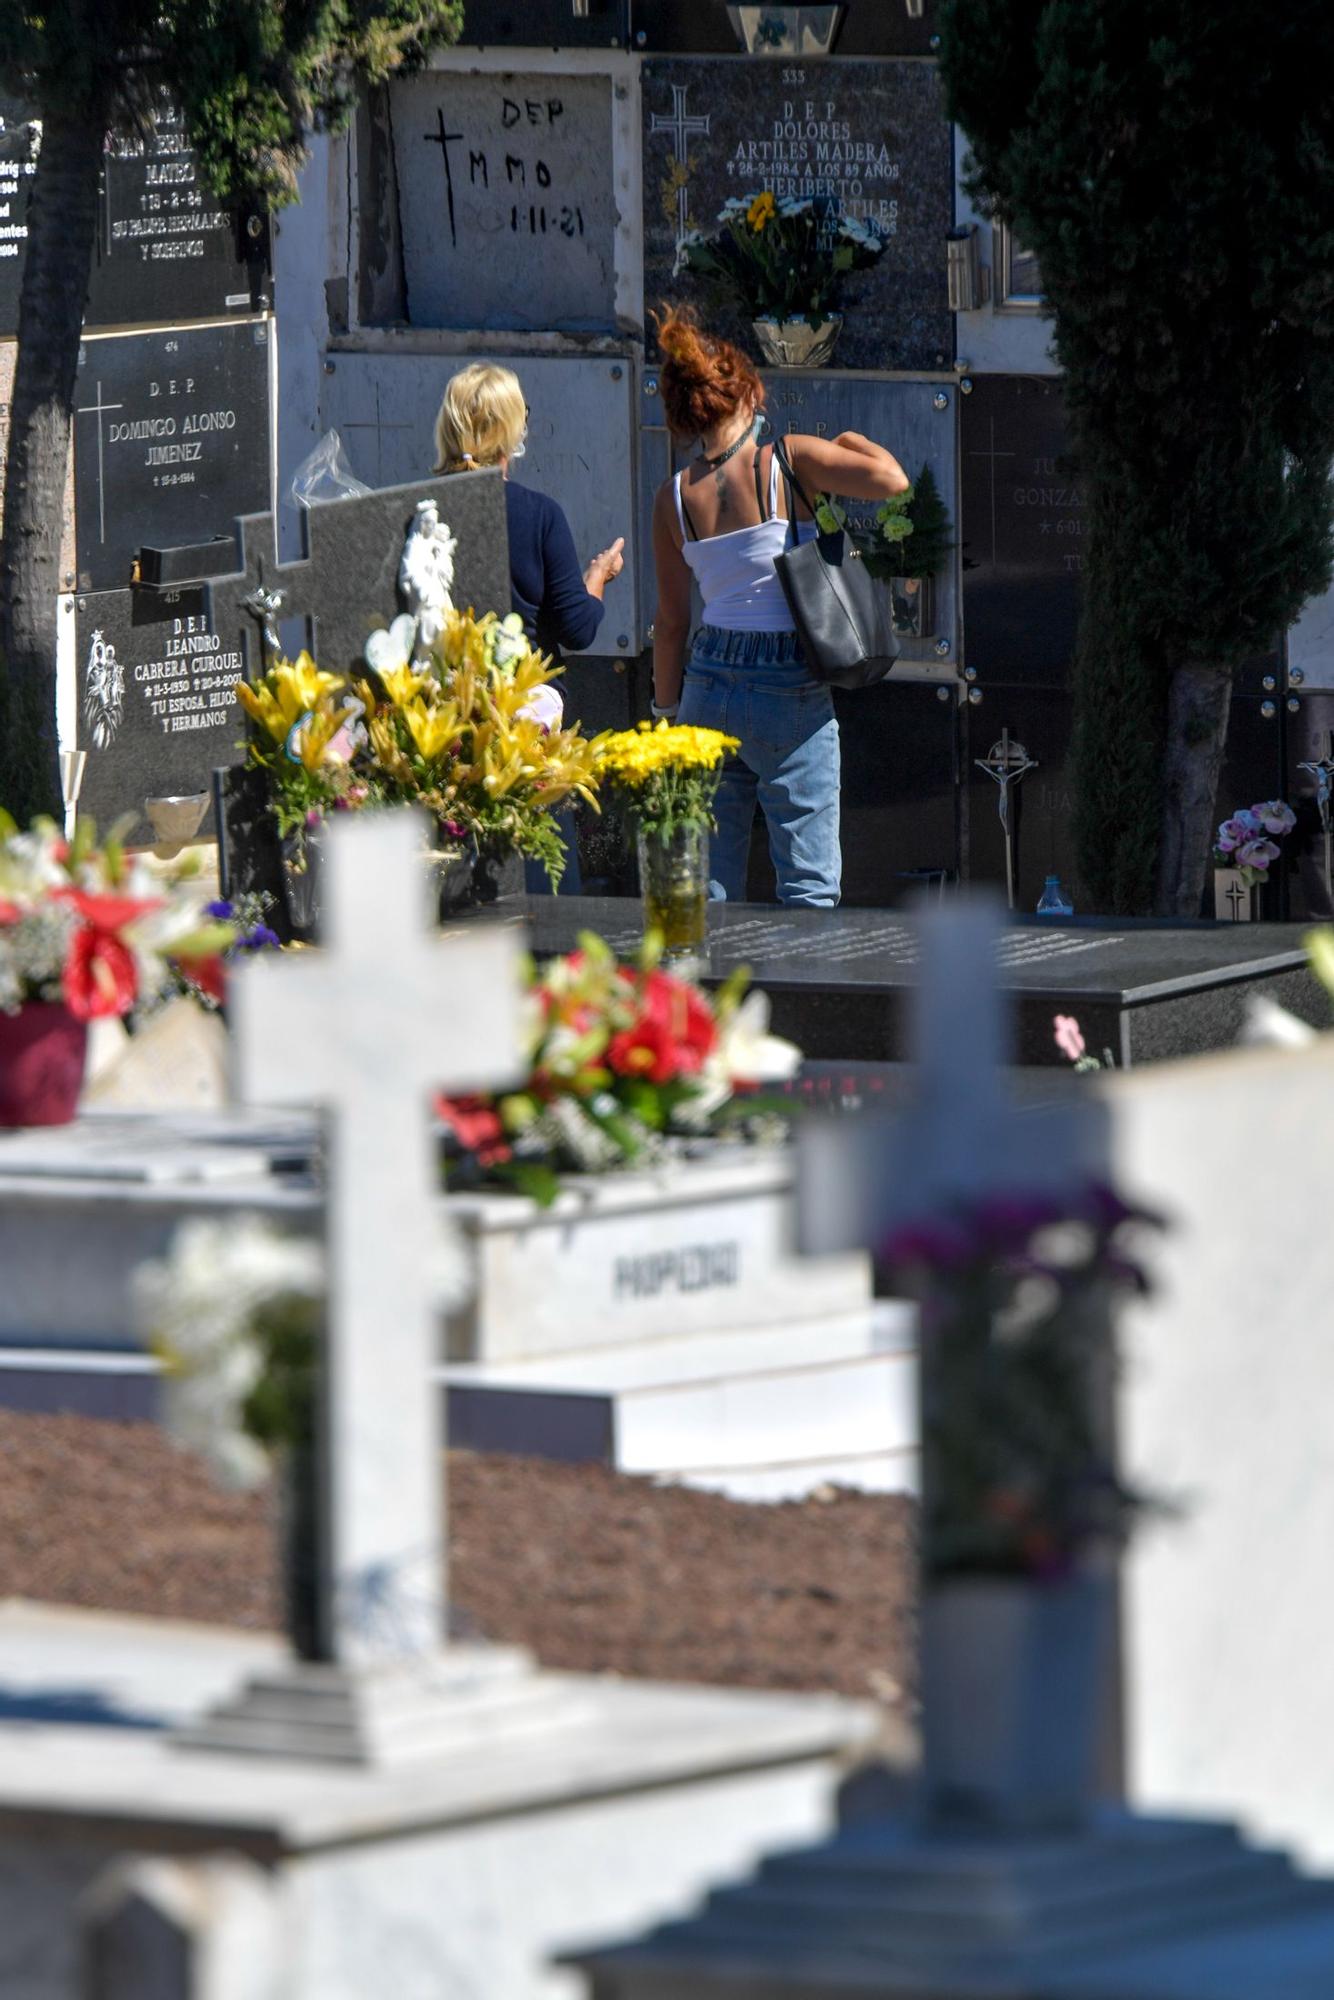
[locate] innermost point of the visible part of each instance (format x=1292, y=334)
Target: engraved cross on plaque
x=680, y=126
x=99, y=409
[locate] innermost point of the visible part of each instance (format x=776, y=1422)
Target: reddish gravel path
x=594, y=1571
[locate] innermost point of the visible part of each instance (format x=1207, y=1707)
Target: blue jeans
x=755, y=686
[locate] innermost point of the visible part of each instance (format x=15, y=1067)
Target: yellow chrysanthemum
x=761, y=210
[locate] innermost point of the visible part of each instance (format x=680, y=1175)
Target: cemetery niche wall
x=870, y=135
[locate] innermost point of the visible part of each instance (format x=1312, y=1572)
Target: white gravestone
x=364, y=1028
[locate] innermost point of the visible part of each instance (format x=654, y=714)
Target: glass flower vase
x=674, y=883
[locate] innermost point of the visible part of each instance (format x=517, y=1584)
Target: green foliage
x=928, y=549
x=254, y=77
x=1173, y=169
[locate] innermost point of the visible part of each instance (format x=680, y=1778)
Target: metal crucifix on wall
x=1007, y=762
x=1322, y=772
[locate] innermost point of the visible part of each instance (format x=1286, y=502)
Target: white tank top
x=735, y=572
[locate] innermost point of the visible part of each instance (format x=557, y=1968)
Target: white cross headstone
x=961, y=1136
x=364, y=1028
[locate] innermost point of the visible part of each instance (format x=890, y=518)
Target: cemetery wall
x=172, y=438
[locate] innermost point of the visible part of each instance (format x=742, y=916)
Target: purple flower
x=261, y=938
x=1256, y=853
x=939, y=1245
x=1242, y=826
x=221, y=910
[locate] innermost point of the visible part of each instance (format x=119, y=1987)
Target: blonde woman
x=483, y=421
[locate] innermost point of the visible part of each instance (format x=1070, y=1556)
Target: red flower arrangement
x=620, y=1057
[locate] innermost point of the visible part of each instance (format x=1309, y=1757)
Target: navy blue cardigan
x=546, y=583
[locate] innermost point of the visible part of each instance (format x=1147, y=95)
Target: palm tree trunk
x=62, y=226
x=1197, y=715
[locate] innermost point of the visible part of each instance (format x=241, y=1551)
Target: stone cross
x=364, y=1028
x=962, y=1136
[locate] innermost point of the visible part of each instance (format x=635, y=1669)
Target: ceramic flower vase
x=302, y=855
x=1013, y=1674
x=1234, y=898
x=795, y=343
x=297, y=1498
x=42, y=1054
x=674, y=884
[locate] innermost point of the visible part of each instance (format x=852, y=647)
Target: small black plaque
x=156, y=707
x=1024, y=530
x=872, y=135
x=171, y=441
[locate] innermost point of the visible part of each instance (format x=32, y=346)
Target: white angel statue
x=426, y=573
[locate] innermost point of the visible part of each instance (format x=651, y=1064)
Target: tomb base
x=463, y=1698
x=1131, y=1908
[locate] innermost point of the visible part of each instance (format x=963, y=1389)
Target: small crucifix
x=1008, y=763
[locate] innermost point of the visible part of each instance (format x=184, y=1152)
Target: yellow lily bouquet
x=666, y=773
x=462, y=729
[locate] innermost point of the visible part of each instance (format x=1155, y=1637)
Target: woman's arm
x=671, y=624
x=850, y=465
x=573, y=611
x=604, y=568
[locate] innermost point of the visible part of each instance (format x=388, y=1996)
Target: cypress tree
x=253, y=78
x=1173, y=169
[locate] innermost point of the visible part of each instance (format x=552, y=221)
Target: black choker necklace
x=732, y=449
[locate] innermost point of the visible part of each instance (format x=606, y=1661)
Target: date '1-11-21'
x=536, y=220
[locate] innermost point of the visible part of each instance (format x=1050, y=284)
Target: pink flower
x=1068, y=1036
x=1256, y=853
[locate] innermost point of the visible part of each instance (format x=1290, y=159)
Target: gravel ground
x=594, y=1571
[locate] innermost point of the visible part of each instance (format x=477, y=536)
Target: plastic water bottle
x=1053, y=901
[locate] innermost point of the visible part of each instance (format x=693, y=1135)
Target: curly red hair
x=704, y=380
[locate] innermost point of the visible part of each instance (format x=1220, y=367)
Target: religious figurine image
x=720, y=524
x=483, y=421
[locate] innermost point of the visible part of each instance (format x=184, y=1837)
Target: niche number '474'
x=537, y=219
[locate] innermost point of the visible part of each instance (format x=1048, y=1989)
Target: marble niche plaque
x=506, y=200
x=579, y=449
x=171, y=441
x=871, y=136
x=166, y=249
x=156, y=710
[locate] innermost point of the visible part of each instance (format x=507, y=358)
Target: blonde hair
x=482, y=418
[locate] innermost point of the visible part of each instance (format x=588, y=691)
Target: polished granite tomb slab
x=1147, y=991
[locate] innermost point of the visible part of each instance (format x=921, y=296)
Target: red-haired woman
x=720, y=523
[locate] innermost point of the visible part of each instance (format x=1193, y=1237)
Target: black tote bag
x=844, y=618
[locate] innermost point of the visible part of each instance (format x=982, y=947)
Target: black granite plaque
x=870, y=135
x=166, y=248
x=1023, y=526
x=545, y=24
x=868, y=28
x=171, y=441
x=1041, y=804
x=838, y=980
x=156, y=709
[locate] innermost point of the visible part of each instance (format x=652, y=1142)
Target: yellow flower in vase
x=761, y=210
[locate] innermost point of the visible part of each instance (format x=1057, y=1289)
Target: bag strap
x=688, y=528
x=792, y=485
